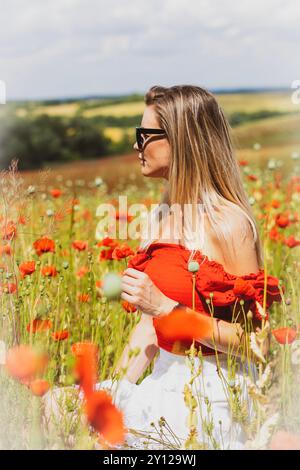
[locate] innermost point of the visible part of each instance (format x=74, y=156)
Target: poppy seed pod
x=193, y=266
x=112, y=286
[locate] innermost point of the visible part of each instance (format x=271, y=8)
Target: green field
x=269, y=119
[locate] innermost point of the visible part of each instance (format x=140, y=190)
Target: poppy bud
x=193, y=266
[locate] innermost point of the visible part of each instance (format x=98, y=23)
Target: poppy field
x=63, y=324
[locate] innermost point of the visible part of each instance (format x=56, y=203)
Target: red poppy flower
x=22, y=220
x=243, y=162
x=108, y=242
x=85, y=369
x=275, y=235
x=79, y=245
x=106, y=255
x=5, y=250
x=275, y=203
x=24, y=363
x=123, y=216
x=128, y=306
x=82, y=271
x=74, y=202
x=60, y=335
x=86, y=214
x=183, y=324
x=58, y=216
x=44, y=245
x=284, y=335
x=83, y=298
x=291, y=242
x=282, y=221
x=79, y=349
x=27, y=268
x=252, y=178
x=49, y=271
x=39, y=387
x=9, y=231
x=37, y=325
x=122, y=252
x=104, y=417
x=55, y=192
x=9, y=288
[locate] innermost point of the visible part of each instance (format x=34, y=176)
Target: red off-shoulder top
x=167, y=266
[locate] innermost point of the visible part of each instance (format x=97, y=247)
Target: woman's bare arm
x=143, y=336
x=230, y=336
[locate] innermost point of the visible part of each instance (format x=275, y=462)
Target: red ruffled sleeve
x=227, y=288
x=139, y=260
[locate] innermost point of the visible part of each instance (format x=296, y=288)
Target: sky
x=62, y=48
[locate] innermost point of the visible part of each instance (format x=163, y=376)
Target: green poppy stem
x=194, y=291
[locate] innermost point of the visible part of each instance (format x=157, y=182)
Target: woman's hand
x=139, y=290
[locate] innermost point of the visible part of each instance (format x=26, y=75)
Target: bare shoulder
x=240, y=244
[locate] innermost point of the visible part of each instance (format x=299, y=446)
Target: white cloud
x=67, y=47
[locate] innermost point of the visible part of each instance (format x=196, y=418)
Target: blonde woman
x=198, y=258
x=202, y=255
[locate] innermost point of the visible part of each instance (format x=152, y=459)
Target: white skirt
x=161, y=394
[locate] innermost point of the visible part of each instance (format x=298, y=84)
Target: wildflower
x=83, y=298
x=82, y=271
x=37, y=325
x=86, y=215
x=27, y=268
x=284, y=335
x=79, y=349
x=55, y=192
x=275, y=235
x=184, y=324
x=60, y=335
x=275, y=203
x=9, y=231
x=5, y=250
x=104, y=417
x=122, y=252
x=75, y=202
x=39, y=387
x=22, y=219
x=49, y=271
x=44, y=245
x=282, y=221
x=291, y=242
x=128, y=307
x=123, y=216
x=106, y=255
x=24, y=363
x=107, y=242
x=85, y=369
x=79, y=245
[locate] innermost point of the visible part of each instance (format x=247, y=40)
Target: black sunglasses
x=144, y=130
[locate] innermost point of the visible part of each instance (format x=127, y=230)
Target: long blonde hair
x=203, y=165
